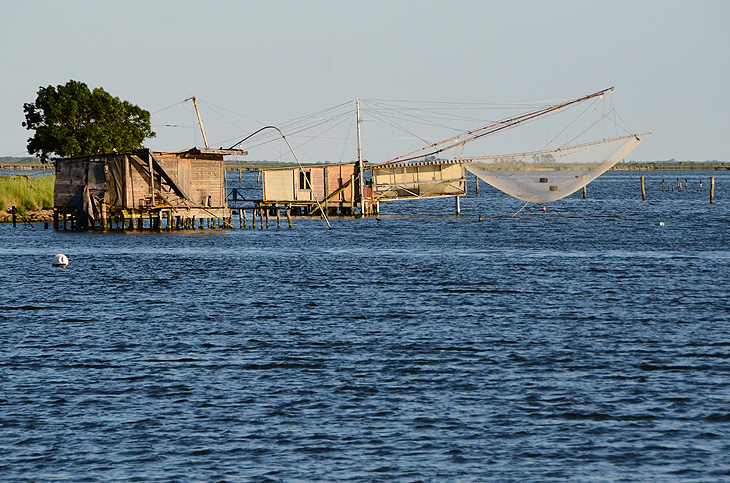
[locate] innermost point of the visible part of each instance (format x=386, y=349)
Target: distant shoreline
x=27, y=164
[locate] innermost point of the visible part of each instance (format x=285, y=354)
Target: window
x=305, y=183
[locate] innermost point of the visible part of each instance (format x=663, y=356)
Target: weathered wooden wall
x=287, y=185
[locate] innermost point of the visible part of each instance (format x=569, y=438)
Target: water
x=584, y=343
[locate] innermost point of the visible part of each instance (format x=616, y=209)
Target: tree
x=71, y=120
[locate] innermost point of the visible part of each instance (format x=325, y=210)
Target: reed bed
x=26, y=193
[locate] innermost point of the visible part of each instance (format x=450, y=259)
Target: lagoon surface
x=588, y=342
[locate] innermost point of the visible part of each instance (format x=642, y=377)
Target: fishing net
x=545, y=176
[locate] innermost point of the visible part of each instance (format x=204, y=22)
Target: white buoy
x=661, y=223
x=60, y=260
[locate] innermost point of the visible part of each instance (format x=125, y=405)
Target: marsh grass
x=26, y=193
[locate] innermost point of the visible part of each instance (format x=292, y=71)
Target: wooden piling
x=643, y=189
x=476, y=179
x=712, y=189
x=278, y=217
x=585, y=192
x=14, y=216
x=266, y=214
x=104, y=221
x=458, y=205
x=288, y=215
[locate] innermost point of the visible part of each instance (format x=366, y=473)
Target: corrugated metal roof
x=438, y=162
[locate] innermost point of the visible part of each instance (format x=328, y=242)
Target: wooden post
x=458, y=206
x=104, y=224
x=266, y=214
x=585, y=192
x=239, y=174
x=643, y=190
x=679, y=185
x=288, y=215
x=194, y=224
x=476, y=179
x=662, y=185
x=278, y=217
x=55, y=219
x=14, y=216
x=352, y=191
x=169, y=220
x=712, y=189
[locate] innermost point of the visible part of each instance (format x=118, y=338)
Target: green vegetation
x=71, y=120
x=671, y=165
x=26, y=193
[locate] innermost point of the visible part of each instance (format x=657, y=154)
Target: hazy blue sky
x=668, y=60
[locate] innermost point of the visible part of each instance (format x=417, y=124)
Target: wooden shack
x=143, y=189
x=337, y=186
x=334, y=186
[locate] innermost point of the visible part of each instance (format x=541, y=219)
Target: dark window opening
x=305, y=184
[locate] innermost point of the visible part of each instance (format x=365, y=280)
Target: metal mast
x=359, y=161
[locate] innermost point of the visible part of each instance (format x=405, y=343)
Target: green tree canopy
x=71, y=120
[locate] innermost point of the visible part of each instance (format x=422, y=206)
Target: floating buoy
x=661, y=223
x=60, y=260
x=544, y=209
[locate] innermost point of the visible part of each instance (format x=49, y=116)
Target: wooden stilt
x=104, y=221
x=643, y=190
x=278, y=217
x=476, y=179
x=712, y=189
x=288, y=215
x=14, y=215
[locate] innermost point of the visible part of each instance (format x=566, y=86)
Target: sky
x=259, y=63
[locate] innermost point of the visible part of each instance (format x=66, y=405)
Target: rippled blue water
x=583, y=343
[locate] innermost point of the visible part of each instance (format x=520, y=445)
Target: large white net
x=545, y=176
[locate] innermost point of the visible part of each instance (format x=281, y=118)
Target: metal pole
x=200, y=121
x=359, y=161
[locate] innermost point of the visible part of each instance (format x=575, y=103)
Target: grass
x=26, y=193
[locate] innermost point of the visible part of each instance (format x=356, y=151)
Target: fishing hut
x=338, y=190
x=303, y=190
x=143, y=189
